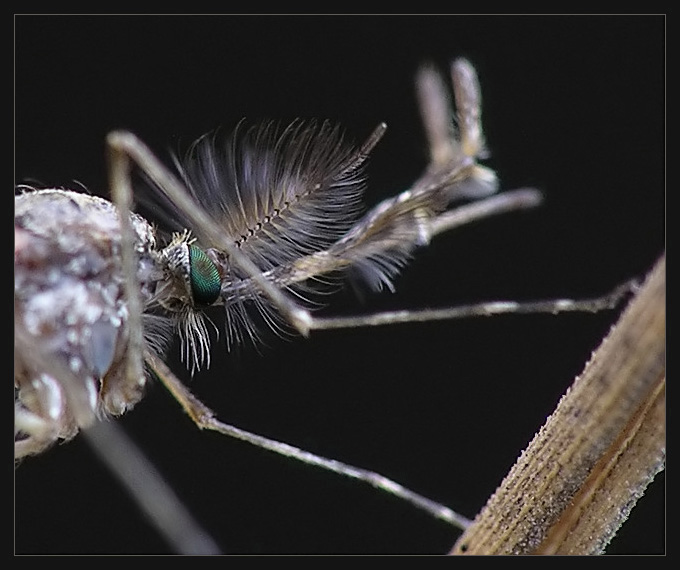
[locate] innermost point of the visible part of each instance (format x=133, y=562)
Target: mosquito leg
x=407, y=216
x=154, y=496
x=125, y=146
x=552, y=306
x=121, y=193
x=44, y=421
x=205, y=418
x=148, y=488
x=509, y=201
x=41, y=433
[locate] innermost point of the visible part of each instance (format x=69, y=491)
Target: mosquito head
x=195, y=276
x=204, y=278
x=192, y=283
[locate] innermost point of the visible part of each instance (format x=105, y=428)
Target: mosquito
x=260, y=225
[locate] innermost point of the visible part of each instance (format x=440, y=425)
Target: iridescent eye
x=204, y=277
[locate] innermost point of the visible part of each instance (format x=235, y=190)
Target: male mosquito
x=260, y=225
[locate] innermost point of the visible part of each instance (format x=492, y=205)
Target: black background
x=572, y=105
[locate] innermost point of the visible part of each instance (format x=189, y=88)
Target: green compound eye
x=203, y=276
